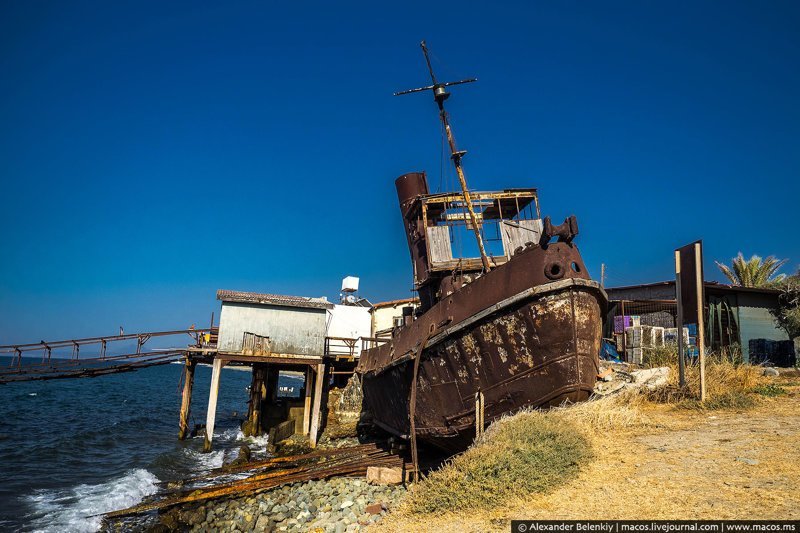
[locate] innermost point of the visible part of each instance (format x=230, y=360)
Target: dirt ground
x=679, y=464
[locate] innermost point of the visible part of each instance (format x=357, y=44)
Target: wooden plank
x=516, y=233
x=318, y=385
x=348, y=465
x=307, y=404
x=701, y=333
x=439, y=244
x=282, y=431
x=211, y=413
x=274, y=358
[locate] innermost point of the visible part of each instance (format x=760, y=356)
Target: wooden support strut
x=254, y=427
x=318, y=386
x=479, y=415
x=186, y=398
x=307, y=402
x=211, y=413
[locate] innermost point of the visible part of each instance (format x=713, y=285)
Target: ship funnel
x=409, y=186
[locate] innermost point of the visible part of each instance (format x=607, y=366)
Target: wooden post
x=624, y=332
x=701, y=337
x=253, y=426
x=317, y=404
x=479, y=415
x=307, y=406
x=681, y=340
x=679, y=318
x=211, y=413
x=263, y=395
x=186, y=398
x=247, y=427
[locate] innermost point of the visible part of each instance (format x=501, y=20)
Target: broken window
x=506, y=221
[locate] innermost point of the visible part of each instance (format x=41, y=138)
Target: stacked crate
x=640, y=338
x=671, y=335
x=634, y=342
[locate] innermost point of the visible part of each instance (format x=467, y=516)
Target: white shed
x=293, y=325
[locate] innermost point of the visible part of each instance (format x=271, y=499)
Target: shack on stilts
x=309, y=338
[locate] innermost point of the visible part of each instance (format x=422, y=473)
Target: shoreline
x=338, y=505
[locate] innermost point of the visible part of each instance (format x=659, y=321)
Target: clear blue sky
x=152, y=152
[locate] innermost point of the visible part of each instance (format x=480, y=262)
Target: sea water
x=71, y=449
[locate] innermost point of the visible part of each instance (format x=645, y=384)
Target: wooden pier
x=61, y=359
x=268, y=333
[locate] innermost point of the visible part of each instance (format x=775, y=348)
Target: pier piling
x=216, y=370
x=318, y=385
x=254, y=425
x=186, y=398
x=307, y=404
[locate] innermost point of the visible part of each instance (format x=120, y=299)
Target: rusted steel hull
x=535, y=347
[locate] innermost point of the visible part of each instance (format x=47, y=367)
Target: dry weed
x=528, y=453
x=729, y=385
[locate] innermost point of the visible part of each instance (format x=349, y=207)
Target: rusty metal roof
x=273, y=299
x=394, y=303
x=707, y=284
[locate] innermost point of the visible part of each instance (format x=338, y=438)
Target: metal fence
x=638, y=326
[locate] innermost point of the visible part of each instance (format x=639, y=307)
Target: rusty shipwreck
x=513, y=321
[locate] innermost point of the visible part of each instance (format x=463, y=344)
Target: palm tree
x=753, y=272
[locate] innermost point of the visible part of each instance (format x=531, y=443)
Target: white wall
x=383, y=317
x=291, y=330
x=349, y=321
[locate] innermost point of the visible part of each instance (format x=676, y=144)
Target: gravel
x=334, y=505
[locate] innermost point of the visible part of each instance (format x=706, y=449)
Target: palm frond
x=753, y=272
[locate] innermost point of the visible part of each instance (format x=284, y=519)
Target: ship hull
x=535, y=347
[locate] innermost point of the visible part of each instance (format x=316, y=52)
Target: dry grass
x=527, y=453
x=530, y=452
x=652, y=461
x=616, y=412
x=728, y=385
x=651, y=455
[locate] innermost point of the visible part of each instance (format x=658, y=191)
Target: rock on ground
x=334, y=505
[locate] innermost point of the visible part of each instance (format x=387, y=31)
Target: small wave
x=73, y=509
x=206, y=461
x=257, y=443
x=32, y=394
x=230, y=434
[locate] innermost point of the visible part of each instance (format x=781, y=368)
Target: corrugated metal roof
x=273, y=299
x=707, y=284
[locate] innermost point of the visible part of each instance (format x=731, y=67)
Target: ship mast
x=440, y=95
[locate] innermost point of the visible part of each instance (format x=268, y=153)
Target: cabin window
x=506, y=221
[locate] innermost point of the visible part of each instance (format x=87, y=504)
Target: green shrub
x=725, y=400
x=769, y=390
